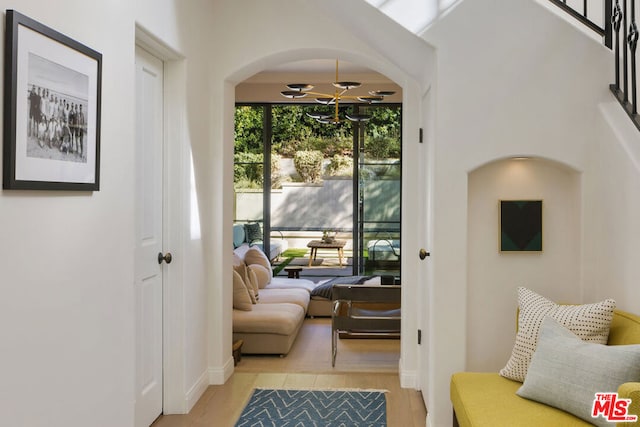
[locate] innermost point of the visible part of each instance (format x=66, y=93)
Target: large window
x=314, y=171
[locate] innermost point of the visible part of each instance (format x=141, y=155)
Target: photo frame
x=520, y=225
x=52, y=99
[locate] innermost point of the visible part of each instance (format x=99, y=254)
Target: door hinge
x=420, y=140
x=419, y=336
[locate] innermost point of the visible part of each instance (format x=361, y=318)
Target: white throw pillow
x=256, y=256
x=566, y=372
x=241, y=298
x=588, y=321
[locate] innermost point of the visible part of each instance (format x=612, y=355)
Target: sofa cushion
x=241, y=299
x=256, y=256
x=566, y=372
x=281, y=319
x=625, y=329
x=238, y=235
x=589, y=321
x=286, y=283
x=293, y=296
x=483, y=399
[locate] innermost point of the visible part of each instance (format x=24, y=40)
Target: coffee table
x=319, y=244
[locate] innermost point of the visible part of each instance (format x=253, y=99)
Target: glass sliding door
x=379, y=183
x=248, y=172
x=311, y=184
x=299, y=179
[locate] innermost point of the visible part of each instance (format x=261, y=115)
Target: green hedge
x=340, y=166
x=308, y=164
x=248, y=170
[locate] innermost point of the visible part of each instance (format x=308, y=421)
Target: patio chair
x=364, y=310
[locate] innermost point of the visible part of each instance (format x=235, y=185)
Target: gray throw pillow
x=566, y=372
x=253, y=232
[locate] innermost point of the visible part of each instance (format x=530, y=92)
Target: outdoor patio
x=325, y=266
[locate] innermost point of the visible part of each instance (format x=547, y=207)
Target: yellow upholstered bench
x=489, y=400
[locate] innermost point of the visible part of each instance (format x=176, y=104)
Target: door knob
x=423, y=254
x=166, y=257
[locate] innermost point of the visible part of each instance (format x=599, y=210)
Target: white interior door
x=148, y=275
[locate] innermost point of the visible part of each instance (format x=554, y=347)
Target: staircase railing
x=618, y=16
x=624, y=18
x=586, y=14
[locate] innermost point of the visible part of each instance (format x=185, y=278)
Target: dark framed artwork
x=520, y=225
x=52, y=90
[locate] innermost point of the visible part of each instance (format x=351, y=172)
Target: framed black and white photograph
x=51, y=109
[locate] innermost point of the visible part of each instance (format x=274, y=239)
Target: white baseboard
x=429, y=423
x=221, y=375
x=196, y=391
x=408, y=378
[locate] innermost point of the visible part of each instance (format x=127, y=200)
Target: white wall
x=493, y=276
x=66, y=269
x=513, y=79
x=612, y=209
x=66, y=258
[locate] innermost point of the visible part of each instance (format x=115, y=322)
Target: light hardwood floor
x=362, y=364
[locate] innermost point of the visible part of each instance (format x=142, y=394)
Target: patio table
x=319, y=244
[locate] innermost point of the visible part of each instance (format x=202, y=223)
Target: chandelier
x=301, y=90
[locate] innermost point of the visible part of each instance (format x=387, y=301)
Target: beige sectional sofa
x=272, y=323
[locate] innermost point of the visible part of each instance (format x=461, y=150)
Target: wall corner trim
x=220, y=375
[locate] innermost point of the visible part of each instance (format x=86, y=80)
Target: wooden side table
x=319, y=244
x=293, y=272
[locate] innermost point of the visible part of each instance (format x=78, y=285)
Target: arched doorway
x=413, y=120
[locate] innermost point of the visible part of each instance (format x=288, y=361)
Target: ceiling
x=266, y=85
x=314, y=70
x=319, y=65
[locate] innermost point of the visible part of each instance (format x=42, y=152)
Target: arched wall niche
x=494, y=276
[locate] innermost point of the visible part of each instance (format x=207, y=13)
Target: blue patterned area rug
x=307, y=408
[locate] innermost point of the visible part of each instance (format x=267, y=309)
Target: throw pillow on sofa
x=241, y=268
x=256, y=256
x=253, y=282
x=263, y=276
x=253, y=232
x=566, y=372
x=589, y=321
x=241, y=299
x=238, y=235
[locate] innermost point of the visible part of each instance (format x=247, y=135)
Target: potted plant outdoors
x=329, y=236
